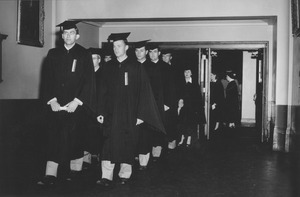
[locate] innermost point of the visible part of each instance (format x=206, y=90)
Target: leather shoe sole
x=123, y=181
x=47, y=180
x=104, y=182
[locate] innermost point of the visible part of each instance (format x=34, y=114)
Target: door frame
x=235, y=45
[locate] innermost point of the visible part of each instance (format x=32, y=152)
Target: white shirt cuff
x=54, y=99
x=79, y=101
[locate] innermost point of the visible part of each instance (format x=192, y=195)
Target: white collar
x=142, y=61
x=188, y=80
x=68, y=48
x=121, y=59
x=155, y=61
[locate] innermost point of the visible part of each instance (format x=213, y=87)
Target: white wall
x=249, y=87
x=21, y=64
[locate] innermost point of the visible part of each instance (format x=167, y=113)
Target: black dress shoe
x=86, y=166
x=123, y=181
x=155, y=159
x=73, y=175
x=141, y=168
x=47, y=180
x=104, y=182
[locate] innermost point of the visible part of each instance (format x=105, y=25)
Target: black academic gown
x=94, y=135
x=169, y=84
x=69, y=75
x=146, y=131
x=159, y=80
x=217, y=97
x=125, y=95
x=231, y=103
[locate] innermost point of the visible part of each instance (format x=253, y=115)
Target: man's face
x=167, y=57
x=213, y=77
x=154, y=54
x=96, y=59
x=187, y=73
x=141, y=53
x=120, y=48
x=70, y=36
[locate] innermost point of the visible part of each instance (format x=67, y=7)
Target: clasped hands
x=100, y=119
x=70, y=107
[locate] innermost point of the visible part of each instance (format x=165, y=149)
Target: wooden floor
x=232, y=163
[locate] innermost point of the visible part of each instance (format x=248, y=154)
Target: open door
x=260, y=96
x=261, y=108
x=204, y=81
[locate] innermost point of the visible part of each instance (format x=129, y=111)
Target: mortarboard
x=166, y=51
x=118, y=36
x=97, y=51
x=153, y=46
x=68, y=25
x=141, y=44
x=231, y=74
x=188, y=67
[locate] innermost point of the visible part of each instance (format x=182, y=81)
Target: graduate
x=69, y=85
x=163, y=86
x=125, y=101
x=145, y=131
x=94, y=134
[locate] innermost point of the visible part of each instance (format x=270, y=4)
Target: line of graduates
x=124, y=109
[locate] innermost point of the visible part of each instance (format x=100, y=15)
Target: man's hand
x=72, y=106
x=213, y=106
x=100, y=119
x=166, y=107
x=139, y=121
x=55, y=106
x=231, y=125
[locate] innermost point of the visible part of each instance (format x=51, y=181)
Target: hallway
x=233, y=163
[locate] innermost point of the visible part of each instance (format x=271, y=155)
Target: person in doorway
x=69, y=86
x=231, y=106
x=258, y=99
x=125, y=101
x=217, y=99
x=191, y=99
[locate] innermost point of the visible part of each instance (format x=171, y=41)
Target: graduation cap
x=96, y=51
x=166, y=51
x=153, y=46
x=187, y=67
x=118, y=36
x=68, y=25
x=231, y=74
x=141, y=44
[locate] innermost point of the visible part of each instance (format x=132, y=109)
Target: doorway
x=247, y=61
